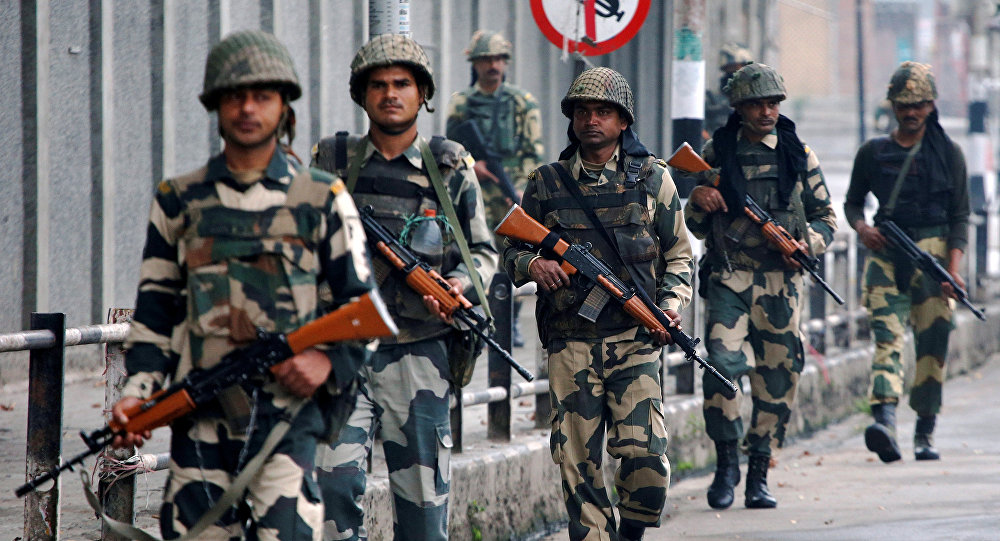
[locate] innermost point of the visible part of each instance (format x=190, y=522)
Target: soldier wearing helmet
x=752, y=289
x=510, y=125
x=918, y=175
x=427, y=193
x=732, y=57
x=251, y=240
x=607, y=170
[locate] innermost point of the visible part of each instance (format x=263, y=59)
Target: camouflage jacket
x=649, y=228
x=511, y=123
x=226, y=253
x=398, y=189
x=739, y=240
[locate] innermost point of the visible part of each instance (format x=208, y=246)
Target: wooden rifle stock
x=518, y=225
x=686, y=159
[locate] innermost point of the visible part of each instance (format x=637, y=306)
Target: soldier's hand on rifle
x=434, y=307
x=663, y=337
x=870, y=236
x=547, y=274
x=303, y=373
x=789, y=261
x=946, y=287
x=708, y=199
x=118, y=414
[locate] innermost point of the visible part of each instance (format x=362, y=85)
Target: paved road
x=829, y=487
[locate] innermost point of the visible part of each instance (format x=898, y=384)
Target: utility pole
x=860, y=31
x=687, y=84
x=979, y=147
x=388, y=17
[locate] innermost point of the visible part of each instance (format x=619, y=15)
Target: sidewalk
x=830, y=487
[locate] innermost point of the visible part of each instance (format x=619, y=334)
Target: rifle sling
x=574, y=189
x=890, y=205
x=449, y=211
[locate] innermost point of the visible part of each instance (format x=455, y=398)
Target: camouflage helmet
x=734, y=54
x=912, y=82
x=754, y=81
x=600, y=84
x=388, y=50
x=488, y=43
x=248, y=57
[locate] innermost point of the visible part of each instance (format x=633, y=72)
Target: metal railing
x=827, y=327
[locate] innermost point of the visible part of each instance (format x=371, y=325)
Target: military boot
x=516, y=338
x=923, y=439
x=757, y=496
x=727, y=475
x=631, y=531
x=880, y=436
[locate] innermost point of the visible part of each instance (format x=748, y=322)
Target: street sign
x=591, y=27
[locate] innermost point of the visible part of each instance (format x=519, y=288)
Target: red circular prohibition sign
x=599, y=48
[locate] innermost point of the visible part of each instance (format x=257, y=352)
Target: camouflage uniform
x=510, y=121
x=406, y=388
x=604, y=377
x=933, y=209
x=753, y=299
x=226, y=253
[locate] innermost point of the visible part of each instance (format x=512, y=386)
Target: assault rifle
x=364, y=318
x=686, y=159
x=471, y=137
x=925, y=261
x=576, y=258
x=423, y=279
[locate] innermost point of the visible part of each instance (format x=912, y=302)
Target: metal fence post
x=117, y=495
x=45, y=408
x=543, y=405
x=502, y=306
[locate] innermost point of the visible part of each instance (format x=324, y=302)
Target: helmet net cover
x=600, y=84
x=248, y=58
x=912, y=82
x=390, y=50
x=754, y=81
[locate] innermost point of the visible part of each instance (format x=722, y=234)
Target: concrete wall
x=99, y=102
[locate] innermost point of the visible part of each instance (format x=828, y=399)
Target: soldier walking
x=238, y=244
x=918, y=175
x=752, y=290
x=510, y=122
x=604, y=377
x=732, y=57
x=407, y=388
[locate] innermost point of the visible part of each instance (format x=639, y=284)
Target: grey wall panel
x=68, y=259
x=11, y=174
x=342, y=30
x=190, y=125
x=132, y=149
x=242, y=15
x=291, y=25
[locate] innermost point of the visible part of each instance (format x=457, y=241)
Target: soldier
x=752, y=290
x=732, y=56
x=407, y=387
x=604, y=377
x=510, y=122
x=238, y=244
x=918, y=175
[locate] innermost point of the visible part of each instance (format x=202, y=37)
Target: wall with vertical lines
x=98, y=102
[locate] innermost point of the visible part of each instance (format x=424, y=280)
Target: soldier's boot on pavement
x=923, y=439
x=516, y=338
x=631, y=531
x=880, y=436
x=727, y=475
x=757, y=495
